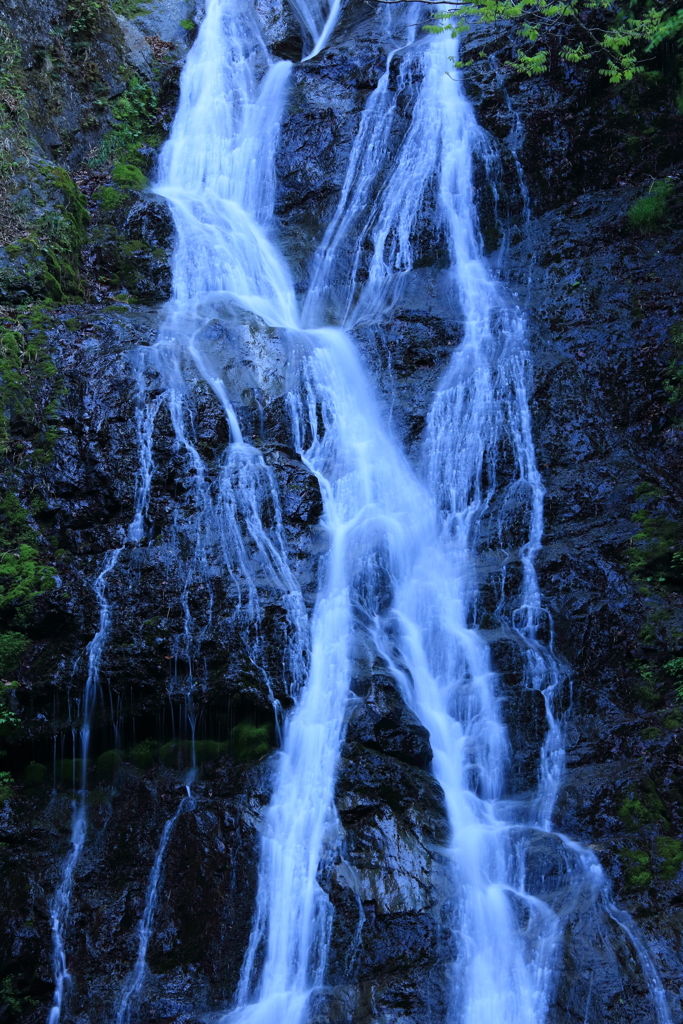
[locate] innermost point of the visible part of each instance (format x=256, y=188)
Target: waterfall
x=401, y=573
x=133, y=984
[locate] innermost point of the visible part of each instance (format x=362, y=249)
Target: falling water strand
x=61, y=901
x=132, y=986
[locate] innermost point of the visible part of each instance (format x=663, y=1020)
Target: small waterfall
x=61, y=901
x=135, y=980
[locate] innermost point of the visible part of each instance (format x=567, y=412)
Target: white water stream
x=403, y=546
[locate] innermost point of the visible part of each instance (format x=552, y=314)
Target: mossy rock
x=671, y=852
x=178, y=754
x=637, y=868
x=250, y=742
x=109, y=763
x=129, y=176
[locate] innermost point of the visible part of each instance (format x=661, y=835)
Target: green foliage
x=614, y=37
x=83, y=17
x=13, y=116
x=109, y=763
x=144, y=755
x=637, y=865
x=134, y=124
x=109, y=198
x=29, y=389
x=23, y=578
x=13, y=646
x=671, y=852
x=673, y=383
x=178, y=753
x=6, y=786
x=129, y=8
x=128, y=176
x=656, y=552
x=652, y=732
x=643, y=807
x=649, y=212
x=250, y=741
x=15, y=1002
x=188, y=24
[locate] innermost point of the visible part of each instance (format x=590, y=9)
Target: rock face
x=603, y=304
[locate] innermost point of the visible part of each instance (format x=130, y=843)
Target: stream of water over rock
x=401, y=574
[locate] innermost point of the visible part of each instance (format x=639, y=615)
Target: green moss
x=649, y=212
x=6, y=786
x=250, y=741
x=128, y=176
x=34, y=774
x=188, y=25
x=674, y=719
x=13, y=646
x=651, y=733
x=144, y=755
x=13, y=115
x=178, y=753
x=109, y=763
x=673, y=383
x=83, y=17
x=109, y=198
x=643, y=807
x=134, y=125
x=129, y=8
x=637, y=868
x=671, y=852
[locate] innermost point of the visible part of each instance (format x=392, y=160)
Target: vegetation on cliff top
x=617, y=37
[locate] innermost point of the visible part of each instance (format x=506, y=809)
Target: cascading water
x=402, y=570
x=133, y=984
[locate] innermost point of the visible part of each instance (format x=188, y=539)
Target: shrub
x=649, y=212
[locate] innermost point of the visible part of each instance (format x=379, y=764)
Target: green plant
x=130, y=8
x=188, y=24
x=250, y=741
x=651, y=732
x=134, y=123
x=649, y=212
x=34, y=774
x=637, y=868
x=671, y=852
x=144, y=754
x=673, y=383
x=128, y=176
x=109, y=763
x=575, y=31
x=13, y=115
x=109, y=198
x=642, y=807
x=83, y=16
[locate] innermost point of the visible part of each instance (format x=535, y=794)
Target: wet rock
x=384, y=723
